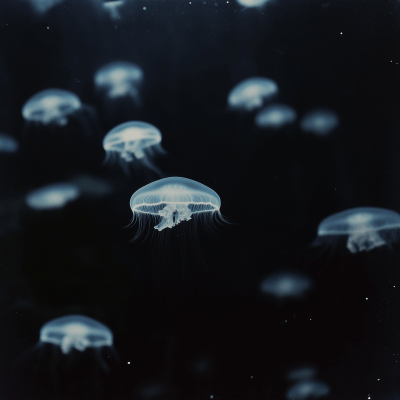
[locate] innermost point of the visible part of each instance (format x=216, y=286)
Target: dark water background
x=195, y=328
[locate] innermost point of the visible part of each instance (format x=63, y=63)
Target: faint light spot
x=211, y=397
x=341, y=33
x=366, y=298
x=394, y=286
x=144, y=8
x=47, y=27
x=129, y=362
x=378, y=379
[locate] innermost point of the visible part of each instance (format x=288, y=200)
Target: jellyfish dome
x=251, y=93
x=366, y=227
x=76, y=332
x=275, y=116
x=112, y=7
x=252, y=3
x=119, y=78
x=52, y=196
x=173, y=200
x=320, y=122
x=7, y=144
x=307, y=389
x=285, y=284
x=51, y=106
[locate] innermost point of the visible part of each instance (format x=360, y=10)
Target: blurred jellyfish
x=307, y=389
x=120, y=79
x=133, y=141
x=251, y=93
x=319, y=122
x=285, y=285
x=275, y=116
x=252, y=3
x=51, y=106
x=52, y=196
x=113, y=8
x=366, y=227
x=8, y=144
x=42, y=6
x=302, y=374
x=170, y=201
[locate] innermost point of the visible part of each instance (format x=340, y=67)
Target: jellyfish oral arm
x=361, y=241
x=172, y=215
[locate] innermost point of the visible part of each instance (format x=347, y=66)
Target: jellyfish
x=53, y=196
x=275, y=116
x=51, y=106
x=119, y=78
x=173, y=200
x=320, y=122
x=133, y=141
x=365, y=227
x=252, y=3
x=285, y=285
x=251, y=93
x=113, y=8
x=307, y=389
x=8, y=144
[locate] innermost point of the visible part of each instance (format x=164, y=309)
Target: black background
x=170, y=310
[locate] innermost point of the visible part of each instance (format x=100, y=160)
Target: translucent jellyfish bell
x=113, y=8
x=51, y=106
x=319, y=122
x=171, y=201
x=52, y=196
x=8, y=144
x=252, y=3
x=119, y=79
x=251, y=93
x=307, y=389
x=366, y=227
x=133, y=140
x=275, y=116
x=285, y=285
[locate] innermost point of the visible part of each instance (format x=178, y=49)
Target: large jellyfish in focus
x=8, y=144
x=251, y=93
x=133, y=141
x=51, y=106
x=171, y=201
x=275, y=116
x=285, y=285
x=307, y=389
x=319, y=122
x=53, y=196
x=366, y=228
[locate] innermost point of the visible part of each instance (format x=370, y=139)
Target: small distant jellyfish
x=285, y=285
x=275, y=116
x=53, y=196
x=119, y=79
x=320, y=122
x=113, y=8
x=366, y=227
x=252, y=3
x=51, y=106
x=133, y=141
x=307, y=389
x=42, y=6
x=172, y=201
x=251, y=93
x=8, y=144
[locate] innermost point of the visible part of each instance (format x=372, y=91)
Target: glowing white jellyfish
x=51, y=106
x=170, y=201
x=251, y=93
x=134, y=140
x=285, y=285
x=52, y=196
x=366, y=227
x=319, y=122
x=8, y=144
x=275, y=116
x=307, y=389
x=252, y=3
x=76, y=332
x=119, y=79
x=113, y=8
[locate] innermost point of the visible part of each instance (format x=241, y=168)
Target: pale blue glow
x=52, y=196
x=119, y=78
x=51, y=106
x=76, y=332
x=42, y=6
x=307, y=389
x=173, y=200
x=301, y=374
x=285, y=284
x=362, y=225
x=275, y=116
x=252, y=3
x=8, y=144
x=251, y=93
x=319, y=122
x=113, y=8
